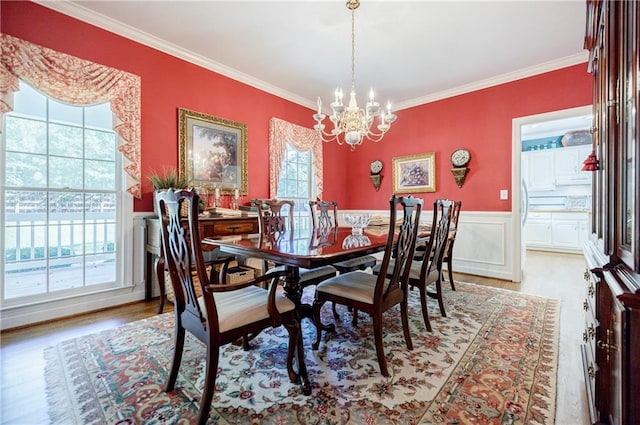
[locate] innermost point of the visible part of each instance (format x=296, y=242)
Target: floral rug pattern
x=492, y=360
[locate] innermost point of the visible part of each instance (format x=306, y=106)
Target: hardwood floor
x=23, y=399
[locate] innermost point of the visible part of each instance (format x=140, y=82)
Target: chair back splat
x=276, y=215
x=223, y=313
x=373, y=294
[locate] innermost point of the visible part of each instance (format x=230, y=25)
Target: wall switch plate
x=504, y=194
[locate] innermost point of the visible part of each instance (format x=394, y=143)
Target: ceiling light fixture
x=351, y=123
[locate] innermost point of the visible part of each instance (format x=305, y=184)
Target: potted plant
x=168, y=178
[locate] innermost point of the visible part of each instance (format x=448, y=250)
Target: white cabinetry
x=568, y=165
x=539, y=170
x=557, y=231
x=538, y=230
x=548, y=168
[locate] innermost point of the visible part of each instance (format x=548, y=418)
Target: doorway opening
x=550, y=189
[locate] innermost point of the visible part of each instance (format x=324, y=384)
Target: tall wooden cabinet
x=611, y=347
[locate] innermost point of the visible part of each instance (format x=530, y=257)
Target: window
x=62, y=199
x=295, y=183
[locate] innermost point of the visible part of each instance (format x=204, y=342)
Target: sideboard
x=209, y=227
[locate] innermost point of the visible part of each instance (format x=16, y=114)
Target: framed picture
x=414, y=173
x=212, y=151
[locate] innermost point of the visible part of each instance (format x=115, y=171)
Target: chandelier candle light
x=351, y=124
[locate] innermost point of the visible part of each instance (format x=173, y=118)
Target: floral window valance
x=303, y=139
x=81, y=82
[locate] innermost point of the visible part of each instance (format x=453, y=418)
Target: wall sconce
x=459, y=159
x=376, y=178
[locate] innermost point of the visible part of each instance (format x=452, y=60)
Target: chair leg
x=209, y=385
x=335, y=312
x=425, y=307
x=439, y=295
x=178, y=342
x=377, y=334
x=404, y=312
x=450, y=271
x=354, y=320
x=317, y=305
x=161, y=283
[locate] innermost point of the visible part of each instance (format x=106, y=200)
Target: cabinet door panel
x=568, y=165
x=566, y=234
x=541, y=171
x=538, y=233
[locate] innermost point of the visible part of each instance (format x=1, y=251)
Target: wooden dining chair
x=325, y=213
x=277, y=221
x=453, y=231
x=376, y=294
x=223, y=313
x=428, y=271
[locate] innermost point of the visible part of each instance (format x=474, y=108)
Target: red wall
x=479, y=121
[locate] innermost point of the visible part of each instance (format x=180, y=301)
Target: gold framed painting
x=414, y=173
x=212, y=151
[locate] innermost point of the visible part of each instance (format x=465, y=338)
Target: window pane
x=99, y=116
x=26, y=170
x=64, y=114
x=66, y=205
x=29, y=102
x=100, y=205
x=100, y=145
x=100, y=175
x=100, y=269
x=65, y=173
x=65, y=140
x=25, y=135
x=65, y=273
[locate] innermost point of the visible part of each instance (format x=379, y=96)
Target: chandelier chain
x=353, y=47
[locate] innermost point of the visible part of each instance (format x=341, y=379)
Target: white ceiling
x=410, y=52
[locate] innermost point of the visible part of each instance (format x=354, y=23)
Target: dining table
x=304, y=248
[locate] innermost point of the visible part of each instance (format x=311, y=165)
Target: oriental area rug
x=492, y=360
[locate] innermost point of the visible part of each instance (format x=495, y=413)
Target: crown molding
x=497, y=80
x=86, y=15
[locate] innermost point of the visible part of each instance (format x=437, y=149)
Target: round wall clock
x=460, y=157
x=376, y=166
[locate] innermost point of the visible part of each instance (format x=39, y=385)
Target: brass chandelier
x=352, y=124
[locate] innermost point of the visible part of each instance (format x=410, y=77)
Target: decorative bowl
x=357, y=222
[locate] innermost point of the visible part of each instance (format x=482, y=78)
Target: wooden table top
x=305, y=248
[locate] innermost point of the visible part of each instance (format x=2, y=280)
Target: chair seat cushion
x=359, y=263
x=247, y=305
x=414, y=275
x=356, y=285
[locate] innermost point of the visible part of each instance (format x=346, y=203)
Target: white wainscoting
x=484, y=245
